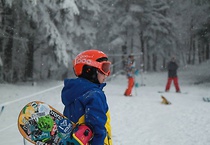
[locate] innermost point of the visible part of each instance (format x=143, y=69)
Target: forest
x=39, y=38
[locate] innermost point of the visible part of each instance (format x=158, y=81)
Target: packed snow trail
x=140, y=119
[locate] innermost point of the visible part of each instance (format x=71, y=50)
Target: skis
x=206, y=99
x=173, y=92
x=2, y=109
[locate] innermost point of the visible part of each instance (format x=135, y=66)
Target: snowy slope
x=140, y=119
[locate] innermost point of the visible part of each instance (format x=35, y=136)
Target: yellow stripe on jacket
x=107, y=140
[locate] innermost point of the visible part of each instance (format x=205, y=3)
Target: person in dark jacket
x=83, y=97
x=172, y=75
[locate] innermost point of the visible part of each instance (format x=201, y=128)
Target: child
x=130, y=69
x=83, y=97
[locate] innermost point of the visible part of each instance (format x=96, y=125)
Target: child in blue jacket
x=83, y=97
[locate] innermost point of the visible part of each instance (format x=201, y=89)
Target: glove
x=82, y=134
x=136, y=72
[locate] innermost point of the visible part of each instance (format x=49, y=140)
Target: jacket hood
x=74, y=88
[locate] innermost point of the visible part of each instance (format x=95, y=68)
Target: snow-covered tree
x=139, y=25
x=54, y=20
x=44, y=44
x=84, y=30
x=188, y=16
x=39, y=38
x=203, y=35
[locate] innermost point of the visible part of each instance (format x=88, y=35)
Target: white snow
x=140, y=119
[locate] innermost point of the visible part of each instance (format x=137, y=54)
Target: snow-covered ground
x=140, y=119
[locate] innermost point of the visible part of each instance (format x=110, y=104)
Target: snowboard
x=165, y=101
x=41, y=124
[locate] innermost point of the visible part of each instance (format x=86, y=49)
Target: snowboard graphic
x=41, y=124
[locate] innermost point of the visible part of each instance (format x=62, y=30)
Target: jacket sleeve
x=95, y=115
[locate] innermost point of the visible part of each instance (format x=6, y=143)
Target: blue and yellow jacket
x=85, y=102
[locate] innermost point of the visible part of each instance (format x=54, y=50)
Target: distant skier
x=172, y=75
x=130, y=70
x=84, y=98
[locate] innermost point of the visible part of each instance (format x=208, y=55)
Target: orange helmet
x=90, y=58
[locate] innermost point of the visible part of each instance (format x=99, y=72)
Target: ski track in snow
x=140, y=119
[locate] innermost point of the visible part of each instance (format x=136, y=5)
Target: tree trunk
x=164, y=63
x=7, y=51
x=202, y=52
x=142, y=50
x=148, y=62
x=193, y=52
x=154, y=60
x=190, y=52
x=207, y=51
x=199, y=52
x=30, y=60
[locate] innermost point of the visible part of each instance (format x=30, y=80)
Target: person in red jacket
x=130, y=69
x=172, y=75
